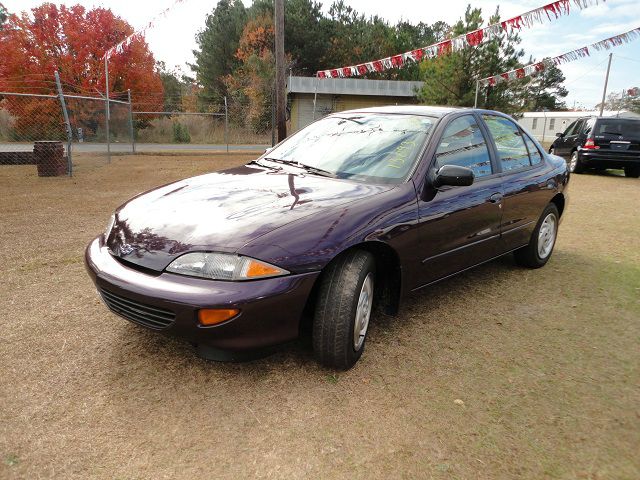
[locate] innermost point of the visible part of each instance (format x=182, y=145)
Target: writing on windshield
x=366, y=147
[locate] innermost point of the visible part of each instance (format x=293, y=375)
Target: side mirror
x=454, y=176
x=559, y=134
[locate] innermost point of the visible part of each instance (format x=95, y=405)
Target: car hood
x=222, y=212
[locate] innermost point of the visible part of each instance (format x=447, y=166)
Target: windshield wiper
x=317, y=171
x=308, y=168
x=258, y=162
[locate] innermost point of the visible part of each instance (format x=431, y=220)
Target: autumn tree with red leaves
x=73, y=41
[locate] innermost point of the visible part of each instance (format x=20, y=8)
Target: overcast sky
x=172, y=40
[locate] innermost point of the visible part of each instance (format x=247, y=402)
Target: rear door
x=524, y=182
x=619, y=136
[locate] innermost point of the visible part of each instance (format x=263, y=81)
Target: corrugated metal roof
x=353, y=86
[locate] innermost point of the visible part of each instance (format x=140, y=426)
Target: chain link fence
x=33, y=133
x=56, y=135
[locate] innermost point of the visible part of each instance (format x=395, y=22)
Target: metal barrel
x=50, y=159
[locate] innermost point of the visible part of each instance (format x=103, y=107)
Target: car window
x=534, y=153
x=512, y=151
x=589, y=126
x=463, y=144
x=611, y=127
x=578, y=128
x=570, y=128
x=366, y=147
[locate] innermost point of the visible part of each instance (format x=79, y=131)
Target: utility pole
x=606, y=81
x=280, y=96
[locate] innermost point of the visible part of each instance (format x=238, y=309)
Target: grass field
x=500, y=372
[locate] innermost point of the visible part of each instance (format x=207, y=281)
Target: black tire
x=336, y=306
x=529, y=256
x=632, y=171
x=577, y=166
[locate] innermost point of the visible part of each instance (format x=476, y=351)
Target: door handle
x=496, y=198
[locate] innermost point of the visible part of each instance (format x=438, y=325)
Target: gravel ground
x=500, y=372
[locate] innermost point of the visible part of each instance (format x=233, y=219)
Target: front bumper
x=609, y=158
x=270, y=309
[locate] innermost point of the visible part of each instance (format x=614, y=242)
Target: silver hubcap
x=547, y=236
x=363, y=312
x=573, y=162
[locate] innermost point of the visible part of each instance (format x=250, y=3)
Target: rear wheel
x=537, y=253
x=343, y=310
x=632, y=171
x=575, y=165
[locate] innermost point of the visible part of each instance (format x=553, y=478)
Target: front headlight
x=112, y=222
x=223, y=266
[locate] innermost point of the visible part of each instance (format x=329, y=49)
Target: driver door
x=459, y=227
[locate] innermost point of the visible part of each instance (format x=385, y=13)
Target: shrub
x=181, y=133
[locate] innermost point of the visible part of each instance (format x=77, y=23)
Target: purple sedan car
x=352, y=212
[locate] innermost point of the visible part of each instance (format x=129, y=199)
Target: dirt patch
x=498, y=373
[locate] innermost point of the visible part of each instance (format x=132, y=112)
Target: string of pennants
x=139, y=34
x=549, y=12
x=534, y=68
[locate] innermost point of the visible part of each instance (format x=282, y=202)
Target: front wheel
x=537, y=253
x=343, y=309
x=575, y=165
x=632, y=171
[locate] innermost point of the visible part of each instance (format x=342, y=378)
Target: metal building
x=337, y=94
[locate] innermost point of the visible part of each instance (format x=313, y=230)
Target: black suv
x=601, y=143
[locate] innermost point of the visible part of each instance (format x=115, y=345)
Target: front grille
x=150, y=317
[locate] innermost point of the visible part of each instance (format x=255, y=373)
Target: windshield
x=367, y=147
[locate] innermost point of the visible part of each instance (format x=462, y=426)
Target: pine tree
x=217, y=45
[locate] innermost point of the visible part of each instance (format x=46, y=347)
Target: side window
x=570, y=128
x=589, y=126
x=552, y=124
x=464, y=145
x=534, y=125
x=512, y=151
x=578, y=129
x=534, y=153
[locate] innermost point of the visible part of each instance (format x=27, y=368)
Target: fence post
x=273, y=116
x=131, y=130
x=107, y=113
x=67, y=125
x=226, y=123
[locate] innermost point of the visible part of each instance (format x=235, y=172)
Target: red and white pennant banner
x=533, y=68
x=547, y=12
x=139, y=34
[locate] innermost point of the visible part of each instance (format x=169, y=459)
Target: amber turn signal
x=213, y=316
x=257, y=269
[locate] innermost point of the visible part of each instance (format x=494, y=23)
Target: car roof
x=424, y=110
x=407, y=110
